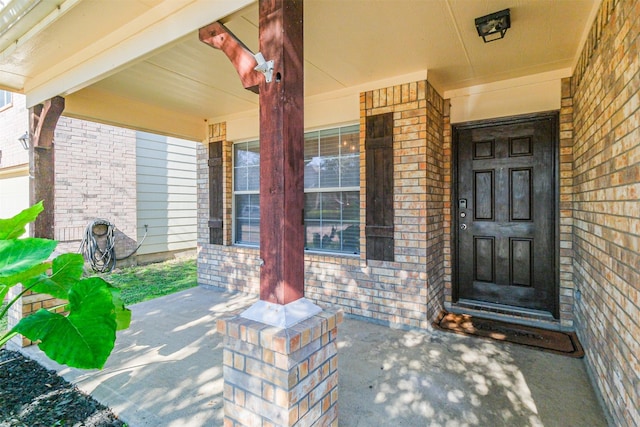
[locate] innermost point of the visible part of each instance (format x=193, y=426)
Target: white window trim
x=8, y=104
x=239, y=192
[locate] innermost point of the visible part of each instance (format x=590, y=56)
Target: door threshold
x=506, y=313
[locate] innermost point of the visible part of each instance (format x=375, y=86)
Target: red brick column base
x=281, y=377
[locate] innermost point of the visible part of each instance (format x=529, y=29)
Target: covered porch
x=167, y=369
x=418, y=71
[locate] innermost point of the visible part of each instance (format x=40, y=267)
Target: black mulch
x=30, y=395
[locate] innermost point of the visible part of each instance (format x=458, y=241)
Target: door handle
x=463, y=227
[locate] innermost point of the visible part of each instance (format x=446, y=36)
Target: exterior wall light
x=24, y=140
x=494, y=26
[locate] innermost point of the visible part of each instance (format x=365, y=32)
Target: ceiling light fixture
x=24, y=140
x=494, y=26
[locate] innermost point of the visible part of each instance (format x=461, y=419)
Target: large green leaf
x=123, y=314
x=18, y=256
x=22, y=277
x=84, y=338
x=12, y=228
x=66, y=271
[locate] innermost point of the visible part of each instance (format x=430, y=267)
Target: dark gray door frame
x=455, y=128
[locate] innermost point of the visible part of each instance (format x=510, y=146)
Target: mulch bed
x=31, y=395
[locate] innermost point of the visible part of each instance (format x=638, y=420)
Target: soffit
x=62, y=29
x=347, y=43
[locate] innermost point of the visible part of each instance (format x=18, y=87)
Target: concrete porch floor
x=166, y=370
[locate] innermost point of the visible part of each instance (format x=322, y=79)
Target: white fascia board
x=162, y=25
x=528, y=80
x=98, y=106
x=23, y=27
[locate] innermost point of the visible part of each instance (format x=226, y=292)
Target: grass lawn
x=146, y=282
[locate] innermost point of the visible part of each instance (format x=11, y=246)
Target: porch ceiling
x=139, y=63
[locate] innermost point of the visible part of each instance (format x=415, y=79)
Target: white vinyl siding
x=166, y=193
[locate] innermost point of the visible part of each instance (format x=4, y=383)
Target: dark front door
x=505, y=213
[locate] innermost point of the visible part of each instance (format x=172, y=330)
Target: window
x=332, y=191
x=246, y=186
x=5, y=99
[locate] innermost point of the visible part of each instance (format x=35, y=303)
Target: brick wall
x=438, y=202
x=95, y=178
x=606, y=192
x=447, y=169
x=30, y=303
x=14, y=122
x=408, y=292
x=281, y=377
x=565, y=187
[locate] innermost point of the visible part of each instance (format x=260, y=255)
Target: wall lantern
x=24, y=140
x=494, y=26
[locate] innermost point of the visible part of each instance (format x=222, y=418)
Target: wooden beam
x=282, y=153
x=43, y=119
x=219, y=37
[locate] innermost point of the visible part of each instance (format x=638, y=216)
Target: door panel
x=506, y=213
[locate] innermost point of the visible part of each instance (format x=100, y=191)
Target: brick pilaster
x=281, y=377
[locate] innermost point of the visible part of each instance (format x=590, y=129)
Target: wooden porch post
x=43, y=119
x=281, y=92
x=277, y=354
x=282, y=153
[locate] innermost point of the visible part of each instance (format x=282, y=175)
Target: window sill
x=332, y=254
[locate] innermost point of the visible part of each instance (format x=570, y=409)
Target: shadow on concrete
x=166, y=370
x=400, y=378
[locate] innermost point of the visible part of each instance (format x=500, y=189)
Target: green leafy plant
x=84, y=336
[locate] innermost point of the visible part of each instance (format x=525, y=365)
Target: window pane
x=330, y=153
x=246, y=166
x=247, y=232
x=331, y=206
x=351, y=206
x=323, y=236
x=350, y=238
x=253, y=181
x=253, y=153
x=240, y=179
x=312, y=206
x=329, y=144
x=350, y=142
x=350, y=157
x=332, y=221
x=330, y=172
x=350, y=170
x=310, y=145
x=248, y=218
x=312, y=230
x=312, y=172
x=248, y=206
x=240, y=155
